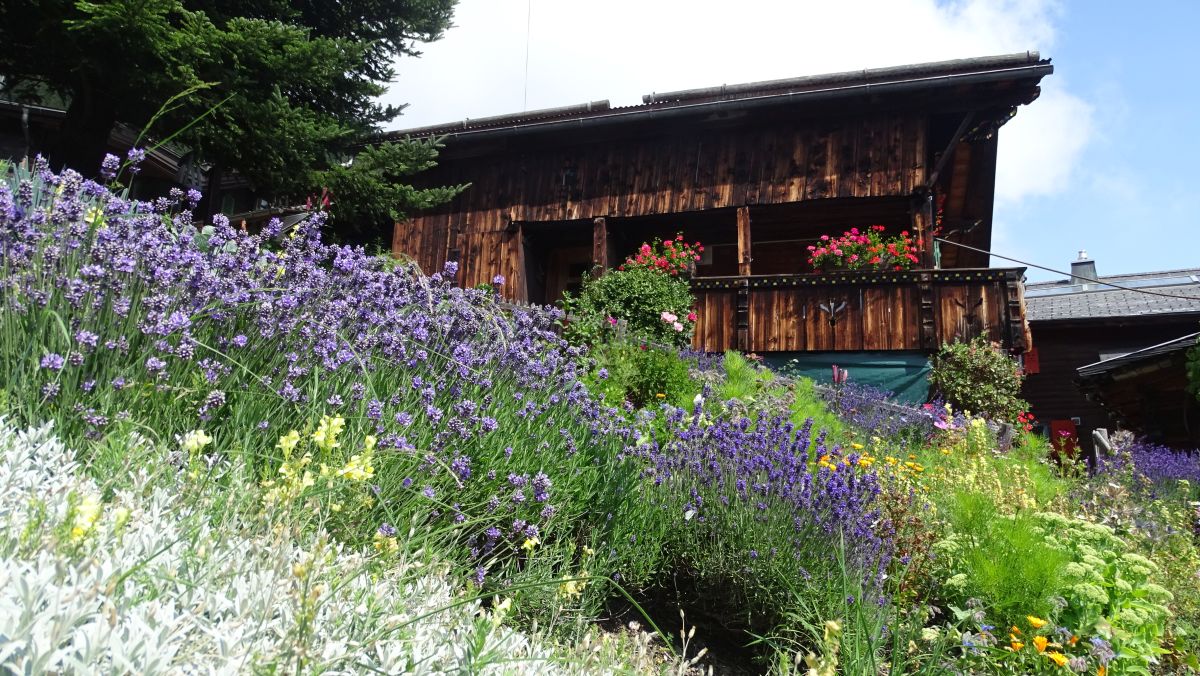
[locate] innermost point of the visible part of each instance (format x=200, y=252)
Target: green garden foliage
x=641, y=374
x=638, y=297
x=977, y=376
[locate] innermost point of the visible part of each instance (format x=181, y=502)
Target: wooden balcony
x=860, y=311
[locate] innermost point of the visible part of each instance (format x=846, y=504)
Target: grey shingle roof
x=1062, y=300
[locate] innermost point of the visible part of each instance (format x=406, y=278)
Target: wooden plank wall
x=850, y=317
x=879, y=155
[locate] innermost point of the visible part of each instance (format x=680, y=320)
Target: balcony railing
x=860, y=311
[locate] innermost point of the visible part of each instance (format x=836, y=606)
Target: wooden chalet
x=756, y=172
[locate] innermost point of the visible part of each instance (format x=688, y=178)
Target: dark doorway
x=558, y=255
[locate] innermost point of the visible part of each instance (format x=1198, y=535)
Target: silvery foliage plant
x=150, y=578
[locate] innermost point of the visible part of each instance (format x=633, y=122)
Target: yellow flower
x=1017, y=645
x=358, y=468
x=1101, y=670
x=660, y=395
x=385, y=545
x=857, y=446
x=1035, y=622
x=1040, y=643
x=86, y=514
x=570, y=589
x=529, y=544
x=287, y=443
x=588, y=551
x=194, y=441
x=326, y=436
x=1059, y=658
x=369, y=442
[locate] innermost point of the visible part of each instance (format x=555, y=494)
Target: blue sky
x=1106, y=160
x=1130, y=200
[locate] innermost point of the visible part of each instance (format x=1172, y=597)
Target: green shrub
x=641, y=374
x=638, y=297
x=1002, y=560
x=977, y=376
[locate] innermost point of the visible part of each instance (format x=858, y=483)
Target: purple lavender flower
x=387, y=530
x=135, y=157
x=109, y=166
x=155, y=365
x=53, y=361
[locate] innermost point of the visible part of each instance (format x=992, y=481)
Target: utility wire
x=1068, y=274
x=528, y=23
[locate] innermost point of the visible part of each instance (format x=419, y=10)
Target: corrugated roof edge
x=1103, y=366
x=923, y=75
x=850, y=76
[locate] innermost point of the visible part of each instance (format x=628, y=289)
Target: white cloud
x=581, y=50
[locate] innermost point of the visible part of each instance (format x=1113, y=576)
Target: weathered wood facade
x=859, y=311
x=756, y=172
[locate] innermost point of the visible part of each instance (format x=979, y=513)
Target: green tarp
x=905, y=374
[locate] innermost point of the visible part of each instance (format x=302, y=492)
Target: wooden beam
x=743, y=240
x=600, y=247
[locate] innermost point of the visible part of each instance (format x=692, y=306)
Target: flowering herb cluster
x=757, y=504
x=865, y=250
x=119, y=313
x=673, y=257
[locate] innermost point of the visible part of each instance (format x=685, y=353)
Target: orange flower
x=1073, y=640
x=1059, y=658
x=1040, y=642
x=1101, y=670
x=1017, y=645
x=1016, y=630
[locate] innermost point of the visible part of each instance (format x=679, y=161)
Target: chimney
x=1083, y=271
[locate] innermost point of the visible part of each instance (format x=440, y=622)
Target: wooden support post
x=743, y=241
x=1017, y=328
x=922, y=219
x=929, y=340
x=742, y=315
x=600, y=260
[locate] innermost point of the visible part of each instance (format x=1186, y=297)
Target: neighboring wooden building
x=1147, y=391
x=756, y=172
x=1078, y=322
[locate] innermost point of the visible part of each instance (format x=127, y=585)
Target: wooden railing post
x=599, y=246
x=742, y=315
x=928, y=329
x=743, y=241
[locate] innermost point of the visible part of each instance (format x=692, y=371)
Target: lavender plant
x=119, y=313
x=753, y=508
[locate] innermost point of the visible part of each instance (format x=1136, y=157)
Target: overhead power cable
x=1068, y=274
